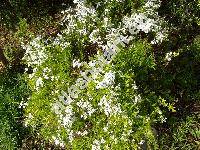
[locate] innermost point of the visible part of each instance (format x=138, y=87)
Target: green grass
x=181, y=134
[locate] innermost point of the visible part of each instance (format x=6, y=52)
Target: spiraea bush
x=84, y=93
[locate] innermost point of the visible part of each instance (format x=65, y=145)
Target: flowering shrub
x=89, y=83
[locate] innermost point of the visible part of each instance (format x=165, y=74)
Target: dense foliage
x=111, y=74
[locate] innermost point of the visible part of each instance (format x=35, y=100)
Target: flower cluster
x=87, y=107
x=97, y=144
x=35, y=52
x=93, y=92
x=108, y=80
x=58, y=141
x=96, y=69
x=151, y=5
x=108, y=107
x=170, y=55
x=60, y=40
x=39, y=83
x=139, y=22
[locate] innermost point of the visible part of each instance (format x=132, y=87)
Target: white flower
x=84, y=133
x=105, y=21
x=92, y=63
x=76, y=63
x=138, y=22
x=168, y=56
x=116, y=109
x=62, y=144
x=77, y=1
x=94, y=38
x=126, y=39
x=159, y=37
x=39, y=83
x=30, y=116
x=134, y=86
x=108, y=80
x=137, y=98
x=87, y=107
x=79, y=132
x=46, y=77
x=105, y=129
x=83, y=32
x=110, y=50
x=67, y=122
x=45, y=73
x=70, y=136
x=106, y=105
x=57, y=141
x=23, y=104
x=152, y=4
x=46, y=69
x=67, y=118
x=52, y=78
x=96, y=145
x=102, y=140
x=35, y=70
x=35, y=52
x=141, y=142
